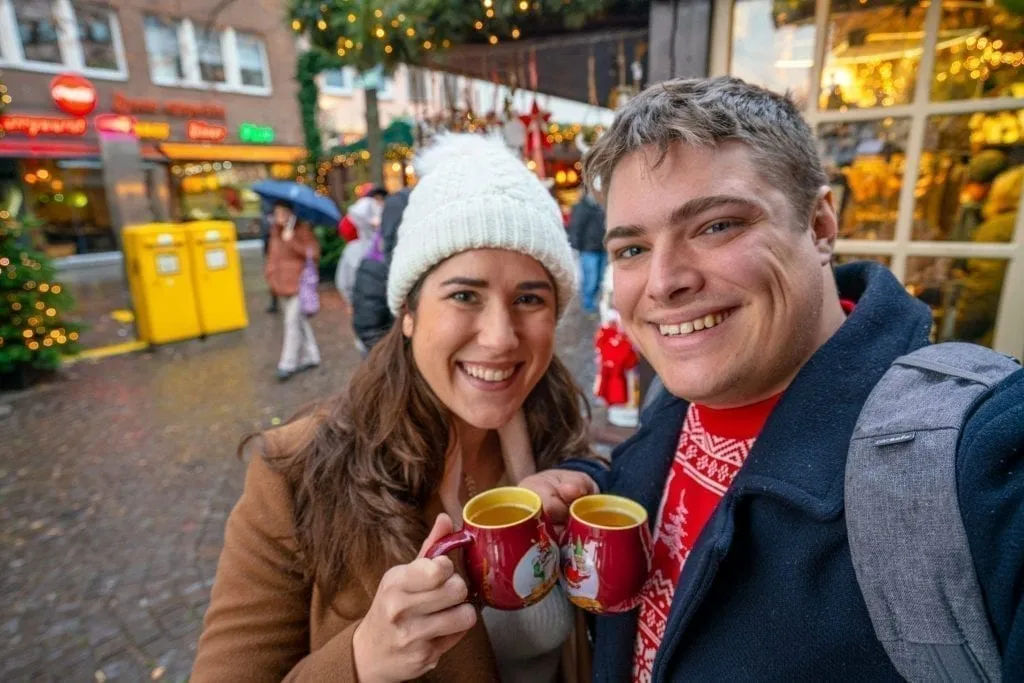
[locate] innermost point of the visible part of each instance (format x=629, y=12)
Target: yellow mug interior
x=582, y=507
x=505, y=495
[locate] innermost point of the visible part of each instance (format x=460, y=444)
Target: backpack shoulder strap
x=909, y=547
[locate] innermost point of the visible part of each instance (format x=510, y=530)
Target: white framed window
x=343, y=82
x=338, y=82
x=53, y=36
x=417, y=82
x=253, y=70
x=186, y=55
x=163, y=45
x=210, y=55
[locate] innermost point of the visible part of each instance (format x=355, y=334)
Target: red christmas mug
x=510, y=555
x=606, y=553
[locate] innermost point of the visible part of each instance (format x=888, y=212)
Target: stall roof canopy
x=399, y=132
x=601, y=53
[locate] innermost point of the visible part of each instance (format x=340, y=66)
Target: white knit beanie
x=478, y=195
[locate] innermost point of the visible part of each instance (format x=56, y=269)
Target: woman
x=292, y=243
x=322, y=577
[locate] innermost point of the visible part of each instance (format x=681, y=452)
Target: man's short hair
x=706, y=113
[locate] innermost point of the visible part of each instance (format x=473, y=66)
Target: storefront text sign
x=132, y=105
x=73, y=94
x=201, y=131
x=115, y=124
x=42, y=125
x=255, y=134
x=153, y=130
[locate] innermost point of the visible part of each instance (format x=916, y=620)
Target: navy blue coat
x=768, y=591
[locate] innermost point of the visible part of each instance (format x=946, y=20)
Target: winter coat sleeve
x=575, y=221
x=990, y=483
x=391, y=219
x=371, y=318
x=257, y=625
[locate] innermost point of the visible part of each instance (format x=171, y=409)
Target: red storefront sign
x=201, y=131
x=73, y=94
x=42, y=125
x=131, y=105
x=115, y=124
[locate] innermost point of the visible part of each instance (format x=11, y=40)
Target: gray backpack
x=907, y=538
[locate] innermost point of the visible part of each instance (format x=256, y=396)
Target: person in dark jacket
x=721, y=230
x=371, y=318
x=586, y=235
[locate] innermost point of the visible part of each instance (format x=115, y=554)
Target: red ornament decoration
x=73, y=94
x=536, y=123
x=615, y=358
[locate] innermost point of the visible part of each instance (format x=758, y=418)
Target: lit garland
x=401, y=154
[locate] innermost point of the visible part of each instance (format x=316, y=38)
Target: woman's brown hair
x=374, y=455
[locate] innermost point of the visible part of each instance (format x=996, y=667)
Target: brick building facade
x=140, y=110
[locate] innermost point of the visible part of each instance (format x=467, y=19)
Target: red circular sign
x=73, y=94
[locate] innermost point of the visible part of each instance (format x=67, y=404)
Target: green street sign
x=255, y=135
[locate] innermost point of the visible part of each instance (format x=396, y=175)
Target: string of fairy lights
x=489, y=23
x=34, y=334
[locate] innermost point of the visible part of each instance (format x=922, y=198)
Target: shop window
x=963, y=294
x=842, y=259
x=96, y=34
x=969, y=185
x=164, y=49
x=979, y=52
x=873, y=49
x=252, y=61
x=65, y=206
x=39, y=31
x=211, y=55
x=222, y=191
x=865, y=161
x=773, y=45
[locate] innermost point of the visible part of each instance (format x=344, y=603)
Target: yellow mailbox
x=217, y=276
x=160, y=280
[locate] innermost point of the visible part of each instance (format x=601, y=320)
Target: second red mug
x=606, y=553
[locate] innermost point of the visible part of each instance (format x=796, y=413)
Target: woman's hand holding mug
x=419, y=613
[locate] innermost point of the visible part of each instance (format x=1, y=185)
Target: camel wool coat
x=266, y=622
x=285, y=260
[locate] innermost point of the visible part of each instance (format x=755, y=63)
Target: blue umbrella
x=307, y=204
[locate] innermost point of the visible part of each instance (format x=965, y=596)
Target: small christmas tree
x=32, y=332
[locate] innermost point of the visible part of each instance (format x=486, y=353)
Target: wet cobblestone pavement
x=116, y=480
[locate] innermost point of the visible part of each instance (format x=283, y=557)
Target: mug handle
x=459, y=539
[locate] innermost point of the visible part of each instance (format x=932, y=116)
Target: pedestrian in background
x=365, y=216
x=586, y=234
x=292, y=247
x=266, y=226
x=322, y=576
x=371, y=319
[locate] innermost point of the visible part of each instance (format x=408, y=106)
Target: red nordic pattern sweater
x=713, y=446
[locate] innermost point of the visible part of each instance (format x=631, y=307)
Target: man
x=721, y=228
x=586, y=235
